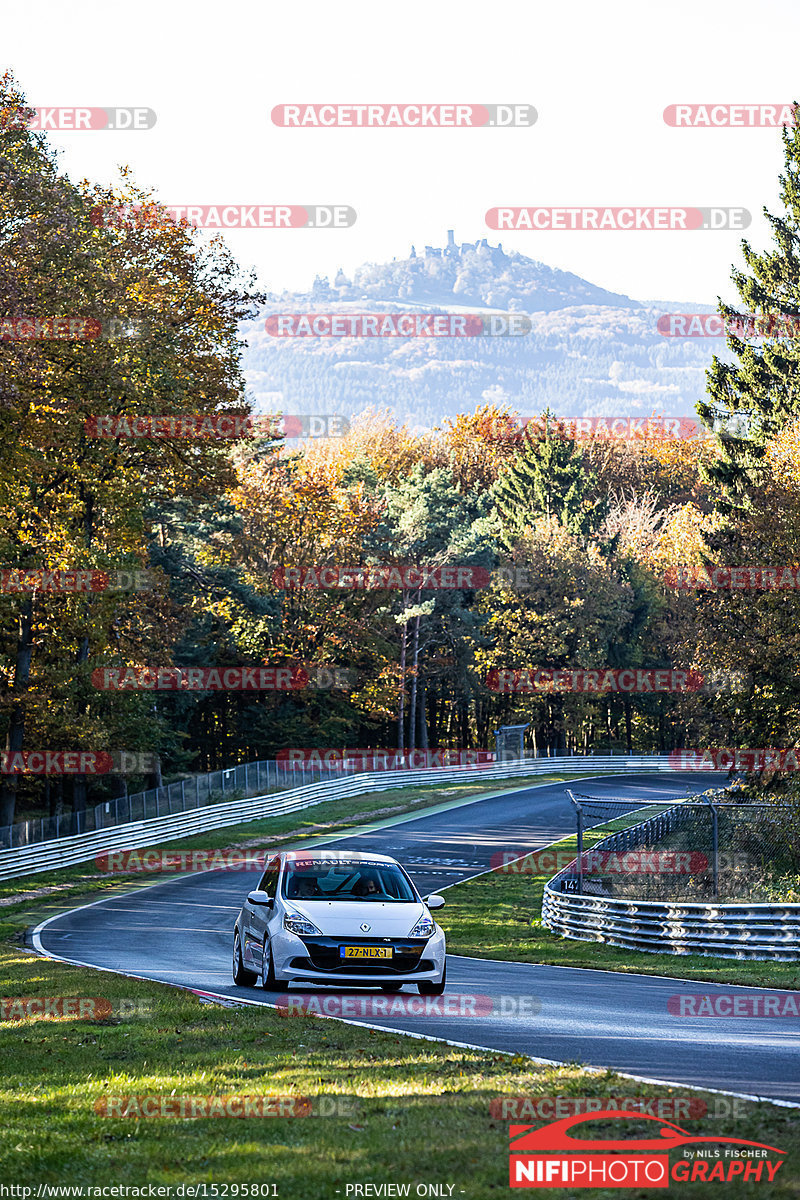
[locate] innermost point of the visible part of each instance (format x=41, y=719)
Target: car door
x=257, y=915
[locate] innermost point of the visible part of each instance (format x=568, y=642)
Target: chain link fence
x=249, y=779
x=713, y=847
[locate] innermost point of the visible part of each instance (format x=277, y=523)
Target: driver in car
x=366, y=887
x=306, y=888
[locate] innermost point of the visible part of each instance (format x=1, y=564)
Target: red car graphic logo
x=527, y=1139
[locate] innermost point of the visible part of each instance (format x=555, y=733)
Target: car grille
x=323, y=955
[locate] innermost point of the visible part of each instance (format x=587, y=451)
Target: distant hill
x=589, y=351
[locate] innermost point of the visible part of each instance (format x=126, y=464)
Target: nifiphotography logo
x=636, y=1162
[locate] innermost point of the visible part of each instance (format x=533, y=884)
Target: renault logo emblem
x=365, y=928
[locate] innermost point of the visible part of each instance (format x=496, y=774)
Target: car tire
x=427, y=987
x=268, y=980
x=241, y=976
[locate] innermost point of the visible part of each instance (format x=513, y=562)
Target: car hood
x=344, y=918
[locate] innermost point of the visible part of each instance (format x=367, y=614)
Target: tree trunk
x=412, y=715
x=402, y=713
x=628, y=741
x=16, y=726
x=423, y=715
x=433, y=712
x=80, y=788
x=463, y=713
x=79, y=785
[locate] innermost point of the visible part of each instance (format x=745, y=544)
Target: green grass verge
x=414, y=1111
x=498, y=915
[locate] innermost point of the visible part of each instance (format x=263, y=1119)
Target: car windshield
x=330, y=879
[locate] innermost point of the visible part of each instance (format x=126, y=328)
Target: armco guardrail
x=758, y=931
x=246, y=779
x=755, y=931
x=68, y=851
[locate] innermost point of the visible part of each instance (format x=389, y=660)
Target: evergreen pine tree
x=764, y=385
x=548, y=479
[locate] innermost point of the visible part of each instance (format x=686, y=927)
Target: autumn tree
x=69, y=500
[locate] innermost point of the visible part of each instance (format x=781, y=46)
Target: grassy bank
x=404, y=1110
x=498, y=915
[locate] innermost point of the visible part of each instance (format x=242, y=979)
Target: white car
x=329, y=916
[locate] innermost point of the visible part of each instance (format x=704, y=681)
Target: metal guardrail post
x=579, y=838
x=714, y=845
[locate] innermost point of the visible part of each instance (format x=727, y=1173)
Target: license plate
x=365, y=952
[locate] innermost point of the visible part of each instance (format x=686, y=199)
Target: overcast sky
x=599, y=76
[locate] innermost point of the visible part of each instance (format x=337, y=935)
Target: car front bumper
x=317, y=959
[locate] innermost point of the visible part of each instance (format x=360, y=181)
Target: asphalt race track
x=180, y=932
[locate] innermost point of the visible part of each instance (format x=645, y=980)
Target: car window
x=269, y=880
x=337, y=880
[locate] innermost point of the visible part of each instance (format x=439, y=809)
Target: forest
x=209, y=633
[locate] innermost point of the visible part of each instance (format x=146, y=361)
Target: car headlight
x=423, y=928
x=294, y=923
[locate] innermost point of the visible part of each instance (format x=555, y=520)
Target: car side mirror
x=261, y=898
x=434, y=901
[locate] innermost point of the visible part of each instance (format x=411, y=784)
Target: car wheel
x=268, y=980
x=427, y=987
x=391, y=987
x=241, y=976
